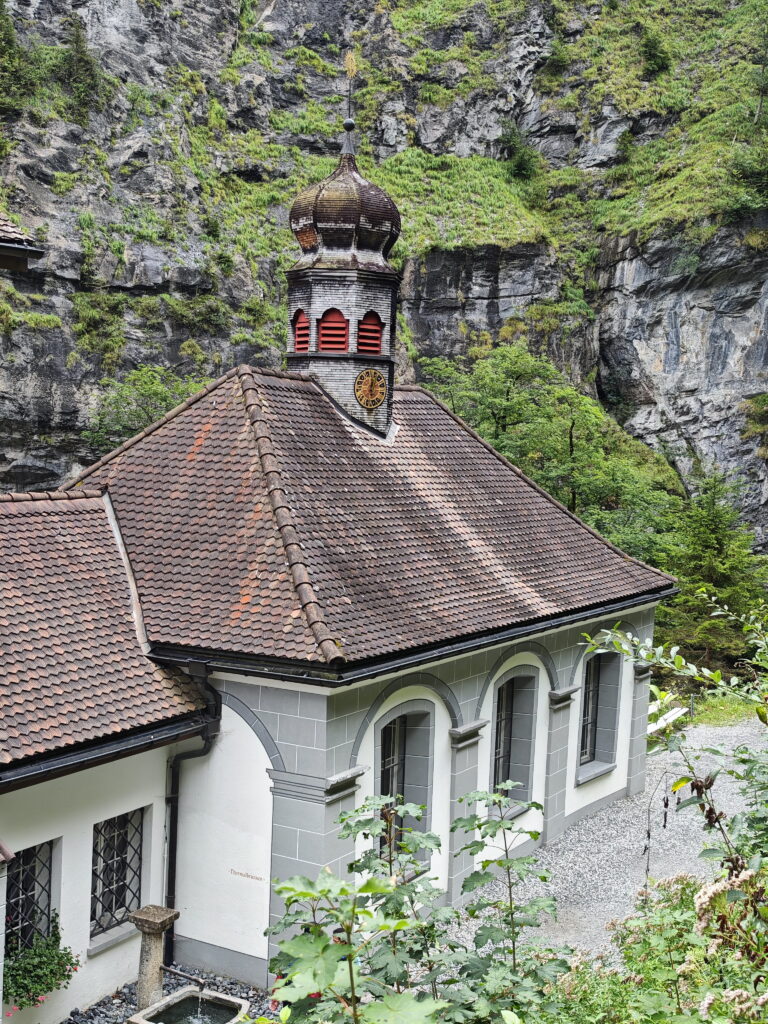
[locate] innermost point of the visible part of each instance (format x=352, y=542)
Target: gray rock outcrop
x=678, y=335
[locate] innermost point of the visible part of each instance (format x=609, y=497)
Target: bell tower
x=342, y=292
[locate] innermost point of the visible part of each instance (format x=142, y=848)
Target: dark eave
x=30, y=252
x=34, y=770
x=311, y=672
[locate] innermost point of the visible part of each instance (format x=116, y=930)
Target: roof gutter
x=56, y=765
x=306, y=672
x=31, y=252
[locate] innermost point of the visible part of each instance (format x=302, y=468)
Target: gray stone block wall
x=313, y=740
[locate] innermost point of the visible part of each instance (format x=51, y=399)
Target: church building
x=295, y=590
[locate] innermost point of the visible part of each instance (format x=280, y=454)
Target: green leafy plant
x=124, y=407
x=379, y=946
x=353, y=959
x=501, y=974
x=31, y=973
x=655, y=56
x=522, y=160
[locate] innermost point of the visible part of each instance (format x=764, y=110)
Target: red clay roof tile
x=260, y=520
x=71, y=665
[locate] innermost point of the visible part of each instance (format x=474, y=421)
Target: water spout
x=182, y=974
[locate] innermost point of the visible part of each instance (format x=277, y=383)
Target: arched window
x=514, y=720
x=332, y=332
x=404, y=740
x=369, y=332
x=300, y=331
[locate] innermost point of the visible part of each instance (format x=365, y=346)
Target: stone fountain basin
x=180, y=1007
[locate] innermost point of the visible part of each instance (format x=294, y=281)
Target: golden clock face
x=370, y=388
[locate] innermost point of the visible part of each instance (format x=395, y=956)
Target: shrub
x=99, y=325
x=29, y=974
x=656, y=58
x=522, y=160
x=379, y=949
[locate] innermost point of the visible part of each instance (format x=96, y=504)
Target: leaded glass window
x=28, y=897
x=589, y=708
x=116, y=873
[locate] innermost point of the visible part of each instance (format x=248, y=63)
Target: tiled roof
x=259, y=520
x=10, y=232
x=72, y=669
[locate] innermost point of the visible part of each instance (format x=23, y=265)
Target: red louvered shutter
x=369, y=332
x=300, y=332
x=332, y=332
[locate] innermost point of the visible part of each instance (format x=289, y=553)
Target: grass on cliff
x=50, y=81
x=702, y=65
x=445, y=201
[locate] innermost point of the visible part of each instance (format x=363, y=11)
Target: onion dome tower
x=342, y=292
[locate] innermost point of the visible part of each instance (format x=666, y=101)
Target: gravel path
x=598, y=864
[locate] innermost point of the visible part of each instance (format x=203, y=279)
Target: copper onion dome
x=345, y=220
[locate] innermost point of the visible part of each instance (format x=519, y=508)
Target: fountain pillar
x=152, y=921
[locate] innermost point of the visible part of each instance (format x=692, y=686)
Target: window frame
x=600, y=716
x=393, y=759
x=419, y=716
x=35, y=866
x=502, y=731
x=590, y=706
x=513, y=751
x=116, y=873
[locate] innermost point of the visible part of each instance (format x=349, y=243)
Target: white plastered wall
x=65, y=810
x=615, y=782
x=532, y=820
x=225, y=842
x=440, y=802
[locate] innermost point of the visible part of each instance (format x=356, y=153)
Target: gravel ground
x=119, y=1007
x=598, y=864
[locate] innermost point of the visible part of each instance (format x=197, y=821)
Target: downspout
x=199, y=672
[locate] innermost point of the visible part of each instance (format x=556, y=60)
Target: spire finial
x=348, y=147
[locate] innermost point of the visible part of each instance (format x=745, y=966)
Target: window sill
x=120, y=933
x=592, y=770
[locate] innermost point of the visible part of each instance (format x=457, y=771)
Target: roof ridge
x=267, y=371
x=533, y=484
x=329, y=648
x=172, y=414
x=16, y=496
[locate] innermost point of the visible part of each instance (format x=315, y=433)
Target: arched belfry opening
x=342, y=291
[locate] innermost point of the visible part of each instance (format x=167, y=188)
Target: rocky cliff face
x=683, y=342
x=164, y=216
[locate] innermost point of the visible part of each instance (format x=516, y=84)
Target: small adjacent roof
x=72, y=668
x=14, y=237
x=260, y=520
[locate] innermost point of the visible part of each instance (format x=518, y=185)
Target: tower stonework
x=342, y=292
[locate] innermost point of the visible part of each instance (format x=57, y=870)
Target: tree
x=712, y=553
x=127, y=406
